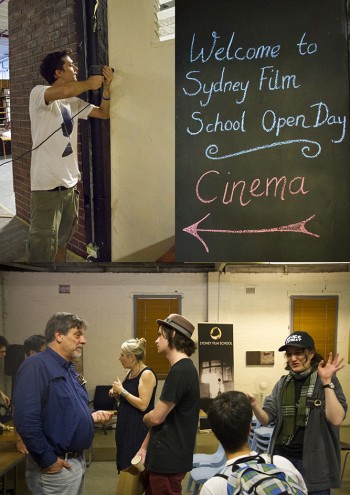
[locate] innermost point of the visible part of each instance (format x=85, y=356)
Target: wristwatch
x=329, y=385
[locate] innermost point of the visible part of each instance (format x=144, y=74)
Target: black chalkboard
x=262, y=131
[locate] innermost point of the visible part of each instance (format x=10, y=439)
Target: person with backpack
x=230, y=416
x=308, y=406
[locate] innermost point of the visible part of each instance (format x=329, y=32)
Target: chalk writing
x=299, y=227
x=273, y=187
x=270, y=121
x=270, y=79
x=260, y=94
x=228, y=52
x=274, y=81
x=220, y=86
x=309, y=49
x=219, y=125
x=212, y=149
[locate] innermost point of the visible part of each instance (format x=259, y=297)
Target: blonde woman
x=136, y=397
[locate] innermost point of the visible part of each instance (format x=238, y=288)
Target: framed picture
x=260, y=358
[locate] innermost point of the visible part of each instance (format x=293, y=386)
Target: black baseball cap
x=299, y=339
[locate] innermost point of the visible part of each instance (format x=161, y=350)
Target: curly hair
x=52, y=62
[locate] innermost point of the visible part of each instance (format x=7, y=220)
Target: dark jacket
x=321, y=449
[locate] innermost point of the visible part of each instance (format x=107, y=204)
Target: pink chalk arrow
x=298, y=227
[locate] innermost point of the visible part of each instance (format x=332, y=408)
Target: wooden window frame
x=157, y=362
x=327, y=348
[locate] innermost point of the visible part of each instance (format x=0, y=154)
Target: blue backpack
x=254, y=476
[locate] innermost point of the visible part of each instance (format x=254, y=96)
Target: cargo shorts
x=54, y=218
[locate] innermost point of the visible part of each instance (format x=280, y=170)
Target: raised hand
x=327, y=370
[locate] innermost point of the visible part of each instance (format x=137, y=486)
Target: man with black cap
x=168, y=448
x=308, y=406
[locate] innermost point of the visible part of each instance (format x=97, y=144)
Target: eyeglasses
x=297, y=354
x=81, y=379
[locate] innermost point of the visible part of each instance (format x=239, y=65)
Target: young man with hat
x=308, y=406
x=168, y=448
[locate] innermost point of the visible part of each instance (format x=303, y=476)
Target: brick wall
x=36, y=27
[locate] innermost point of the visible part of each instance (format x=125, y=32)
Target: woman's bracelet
x=125, y=393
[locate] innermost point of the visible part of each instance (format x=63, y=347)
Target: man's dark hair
x=62, y=322
x=3, y=341
x=52, y=62
x=34, y=343
x=230, y=415
x=178, y=341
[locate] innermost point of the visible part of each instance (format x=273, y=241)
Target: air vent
x=250, y=290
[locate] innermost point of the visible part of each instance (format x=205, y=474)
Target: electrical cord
x=48, y=137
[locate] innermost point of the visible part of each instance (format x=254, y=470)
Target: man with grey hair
x=52, y=412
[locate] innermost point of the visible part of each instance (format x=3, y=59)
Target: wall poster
x=215, y=355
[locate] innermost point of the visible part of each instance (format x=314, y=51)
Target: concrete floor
x=7, y=196
x=102, y=478
x=101, y=475
x=13, y=232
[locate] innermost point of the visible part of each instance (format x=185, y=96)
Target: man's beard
x=77, y=353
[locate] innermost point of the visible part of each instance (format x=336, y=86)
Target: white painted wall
x=142, y=133
x=105, y=301
x=261, y=321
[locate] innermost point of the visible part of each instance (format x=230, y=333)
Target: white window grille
x=165, y=19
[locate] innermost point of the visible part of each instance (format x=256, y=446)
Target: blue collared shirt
x=51, y=408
